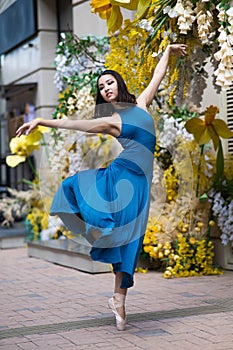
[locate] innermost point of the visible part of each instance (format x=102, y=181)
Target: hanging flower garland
x=224, y=73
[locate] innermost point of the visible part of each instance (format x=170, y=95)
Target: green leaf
x=219, y=164
x=203, y=198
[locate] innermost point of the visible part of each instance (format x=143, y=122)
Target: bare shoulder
x=116, y=117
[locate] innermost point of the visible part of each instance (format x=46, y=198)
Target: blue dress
x=110, y=206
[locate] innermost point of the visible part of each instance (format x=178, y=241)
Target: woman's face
x=108, y=88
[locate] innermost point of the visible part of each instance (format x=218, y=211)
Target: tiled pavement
x=46, y=306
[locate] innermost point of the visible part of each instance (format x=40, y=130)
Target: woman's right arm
x=106, y=125
x=146, y=97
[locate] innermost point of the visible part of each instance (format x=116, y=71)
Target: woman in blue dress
x=110, y=206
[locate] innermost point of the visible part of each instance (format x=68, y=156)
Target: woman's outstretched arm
x=106, y=125
x=148, y=94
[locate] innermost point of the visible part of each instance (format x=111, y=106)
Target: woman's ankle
x=119, y=302
x=119, y=299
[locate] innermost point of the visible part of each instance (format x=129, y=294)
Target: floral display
x=23, y=146
x=42, y=227
x=206, y=27
x=221, y=196
x=223, y=210
x=191, y=257
x=78, y=61
x=192, y=187
x=179, y=229
x=184, y=257
x=210, y=128
x=127, y=63
x=16, y=206
x=224, y=71
x=36, y=221
x=178, y=237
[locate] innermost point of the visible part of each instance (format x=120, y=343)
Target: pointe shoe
x=118, y=300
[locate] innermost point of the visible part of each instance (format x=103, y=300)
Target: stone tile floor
x=46, y=306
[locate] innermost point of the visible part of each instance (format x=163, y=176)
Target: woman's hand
x=178, y=49
x=27, y=127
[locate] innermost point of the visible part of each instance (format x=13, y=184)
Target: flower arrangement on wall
x=179, y=239
x=180, y=225
x=206, y=27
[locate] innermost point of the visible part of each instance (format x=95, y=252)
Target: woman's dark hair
x=123, y=96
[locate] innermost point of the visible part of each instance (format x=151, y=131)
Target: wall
x=85, y=22
x=33, y=62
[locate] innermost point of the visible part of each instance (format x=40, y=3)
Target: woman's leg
x=117, y=302
x=122, y=291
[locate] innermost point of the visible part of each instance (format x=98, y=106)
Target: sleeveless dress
x=110, y=206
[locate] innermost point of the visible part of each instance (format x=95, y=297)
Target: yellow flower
x=23, y=146
x=211, y=223
x=160, y=255
x=141, y=270
x=192, y=240
x=167, y=274
x=166, y=252
x=209, y=128
x=110, y=10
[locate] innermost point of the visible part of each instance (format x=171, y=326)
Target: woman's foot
x=117, y=305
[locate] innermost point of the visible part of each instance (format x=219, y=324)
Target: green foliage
x=90, y=46
x=182, y=113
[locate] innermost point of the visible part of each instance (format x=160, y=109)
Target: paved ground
x=46, y=306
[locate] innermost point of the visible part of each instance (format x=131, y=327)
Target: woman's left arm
x=148, y=94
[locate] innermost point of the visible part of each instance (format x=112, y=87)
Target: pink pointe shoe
x=118, y=300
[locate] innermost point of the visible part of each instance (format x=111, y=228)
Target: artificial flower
x=110, y=10
x=208, y=128
x=224, y=72
x=23, y=146
x=223, y=211
x=102, y=7
x=143, y=6
x=185, y=16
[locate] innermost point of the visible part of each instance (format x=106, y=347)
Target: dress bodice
x=137, y=137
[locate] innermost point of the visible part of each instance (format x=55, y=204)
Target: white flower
x=223, y=36
x=185, y=15
x=145, y=24
x=70, y=101
x=173, y=37
x=204, y=24
x=224, y=72
x=179, y=7
x=224, y=214
x=229, y=12
x=170, y=11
